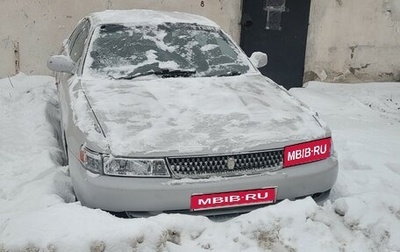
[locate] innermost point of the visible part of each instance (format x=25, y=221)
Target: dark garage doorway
x=278, y=28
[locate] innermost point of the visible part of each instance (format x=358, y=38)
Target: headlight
x=116, y=166
x=91, y=160
x=135, y=167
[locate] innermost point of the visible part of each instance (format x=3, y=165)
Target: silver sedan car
x=162, y=112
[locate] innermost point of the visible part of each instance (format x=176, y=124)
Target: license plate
x=233, y=199
x=307, y=152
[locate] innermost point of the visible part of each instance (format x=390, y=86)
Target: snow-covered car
x=162, y=112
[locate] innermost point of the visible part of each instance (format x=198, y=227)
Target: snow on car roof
x=147, y=16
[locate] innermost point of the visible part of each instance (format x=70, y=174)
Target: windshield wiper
x=164, y=73
x=232, y=73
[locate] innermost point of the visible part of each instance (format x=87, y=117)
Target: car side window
x=77, y=41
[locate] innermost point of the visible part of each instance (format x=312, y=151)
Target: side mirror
x=61, y=63
x=259, y=59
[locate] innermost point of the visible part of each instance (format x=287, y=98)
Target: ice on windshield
x=119, y=51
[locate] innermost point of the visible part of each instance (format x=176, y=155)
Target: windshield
x=119, y=51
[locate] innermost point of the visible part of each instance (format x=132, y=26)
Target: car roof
x=141, y=16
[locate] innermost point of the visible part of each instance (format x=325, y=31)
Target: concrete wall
x=353, y=40
x=36, y=28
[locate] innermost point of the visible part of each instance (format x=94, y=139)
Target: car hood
x=207, y=115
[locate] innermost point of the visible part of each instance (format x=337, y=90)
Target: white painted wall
x=354, y=40
x=39, y=26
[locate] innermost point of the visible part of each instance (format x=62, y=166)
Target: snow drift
x=38, y=211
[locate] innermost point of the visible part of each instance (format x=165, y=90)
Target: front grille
x=226, y=165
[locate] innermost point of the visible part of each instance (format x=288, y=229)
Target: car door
x=73, y=48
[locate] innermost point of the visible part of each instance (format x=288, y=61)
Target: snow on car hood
x=174, y=116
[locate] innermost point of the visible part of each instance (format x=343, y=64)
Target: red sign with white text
x=232, y=199
x=307, y=152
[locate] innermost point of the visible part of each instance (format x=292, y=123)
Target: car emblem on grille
x=230, y=163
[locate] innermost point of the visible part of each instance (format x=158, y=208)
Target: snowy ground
x=38, y=211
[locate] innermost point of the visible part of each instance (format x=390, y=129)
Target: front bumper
x=155, y=195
